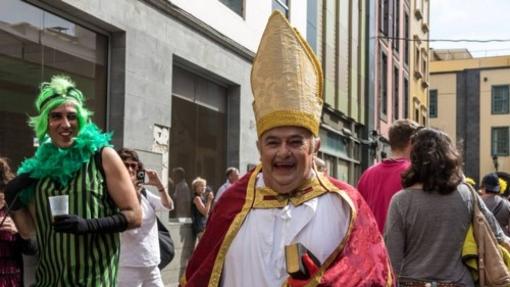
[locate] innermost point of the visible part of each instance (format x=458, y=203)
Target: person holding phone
x=202, y=202
x=139, y=252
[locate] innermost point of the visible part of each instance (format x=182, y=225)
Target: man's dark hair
x=230, y=170
x=401, y=132
x=435, y=162
x=129, y=154
x=179, y=171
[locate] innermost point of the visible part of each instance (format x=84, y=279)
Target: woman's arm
x=203, y=208
x=121, y=188
x=155, y=181
x=24, y=222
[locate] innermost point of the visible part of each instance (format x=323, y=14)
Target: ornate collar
x=265, y=197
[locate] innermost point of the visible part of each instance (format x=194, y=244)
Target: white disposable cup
x=59, y=205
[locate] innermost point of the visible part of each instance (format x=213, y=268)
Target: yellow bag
x=488, y=261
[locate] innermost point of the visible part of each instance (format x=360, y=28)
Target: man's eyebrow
x=268, y=138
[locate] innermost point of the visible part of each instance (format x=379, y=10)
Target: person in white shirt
x=232, y=174
x=139, y=252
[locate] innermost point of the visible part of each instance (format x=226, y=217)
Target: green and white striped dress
x=76, y=260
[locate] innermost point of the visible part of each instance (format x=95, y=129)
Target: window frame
x=494, y=145
x=284, y=6
x=243, y=8
x=433, y=108
x=494, y=106
x=384, y=85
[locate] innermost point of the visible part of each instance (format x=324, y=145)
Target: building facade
x=469, y=99
x=170, y=79
x=397, y=70
x=415, y=101
x=335, y=31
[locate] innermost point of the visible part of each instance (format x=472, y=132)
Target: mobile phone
x=141, y=176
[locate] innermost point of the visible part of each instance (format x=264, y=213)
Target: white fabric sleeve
x=155, y=202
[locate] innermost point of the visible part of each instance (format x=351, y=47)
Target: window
x=406, y=41
x=198, y=137
x=500, y=99
x=406, y=98
x=499, y=140
x=433, y=103
x=416, y=115
x=282, y=6
x=311, y=24
x=36, y=44
x=417, y=58
x=384, y=16
x=395, y=93
x=424, y=67
x=234, y=5
x=418, y=9
x=384, y=84
x=396, y=28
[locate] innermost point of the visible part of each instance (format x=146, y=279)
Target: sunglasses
x=133, y=166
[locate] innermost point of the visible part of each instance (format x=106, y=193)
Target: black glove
x=14, y=187
x=77, y=225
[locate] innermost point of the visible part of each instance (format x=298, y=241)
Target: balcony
x=425, y=27
x=418, y=14
x=418, y=74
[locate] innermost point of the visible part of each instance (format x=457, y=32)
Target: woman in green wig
x=76, y=168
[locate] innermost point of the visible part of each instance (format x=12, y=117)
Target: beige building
x=470, y=100
x=416, y=106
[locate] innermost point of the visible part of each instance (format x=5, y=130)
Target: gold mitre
x=286, y=79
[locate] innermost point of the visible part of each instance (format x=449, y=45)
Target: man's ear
x=317, y=145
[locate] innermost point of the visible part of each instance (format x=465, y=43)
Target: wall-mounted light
x=495, y=162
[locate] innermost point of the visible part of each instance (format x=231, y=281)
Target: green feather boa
x=61, y=164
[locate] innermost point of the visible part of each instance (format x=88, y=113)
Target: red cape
x=360, y=261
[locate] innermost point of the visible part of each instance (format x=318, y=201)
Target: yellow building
x=418, y=61
x=470, y=100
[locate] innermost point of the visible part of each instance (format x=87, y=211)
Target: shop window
x=34, y=46
x=198, y=134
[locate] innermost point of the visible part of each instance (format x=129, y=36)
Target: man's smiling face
x=287, y=156
x=63, y=125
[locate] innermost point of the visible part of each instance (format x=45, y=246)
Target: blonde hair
x=196, y=182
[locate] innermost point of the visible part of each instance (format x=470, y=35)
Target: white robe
x=256, y=257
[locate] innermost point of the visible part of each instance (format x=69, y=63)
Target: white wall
x=247, y=31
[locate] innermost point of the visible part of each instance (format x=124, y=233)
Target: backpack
x=166, y=244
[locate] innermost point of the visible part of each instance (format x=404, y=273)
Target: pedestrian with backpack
x=140, y=250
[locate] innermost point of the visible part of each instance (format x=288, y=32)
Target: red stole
x=360, y=260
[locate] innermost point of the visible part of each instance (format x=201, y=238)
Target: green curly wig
x=60, y=90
